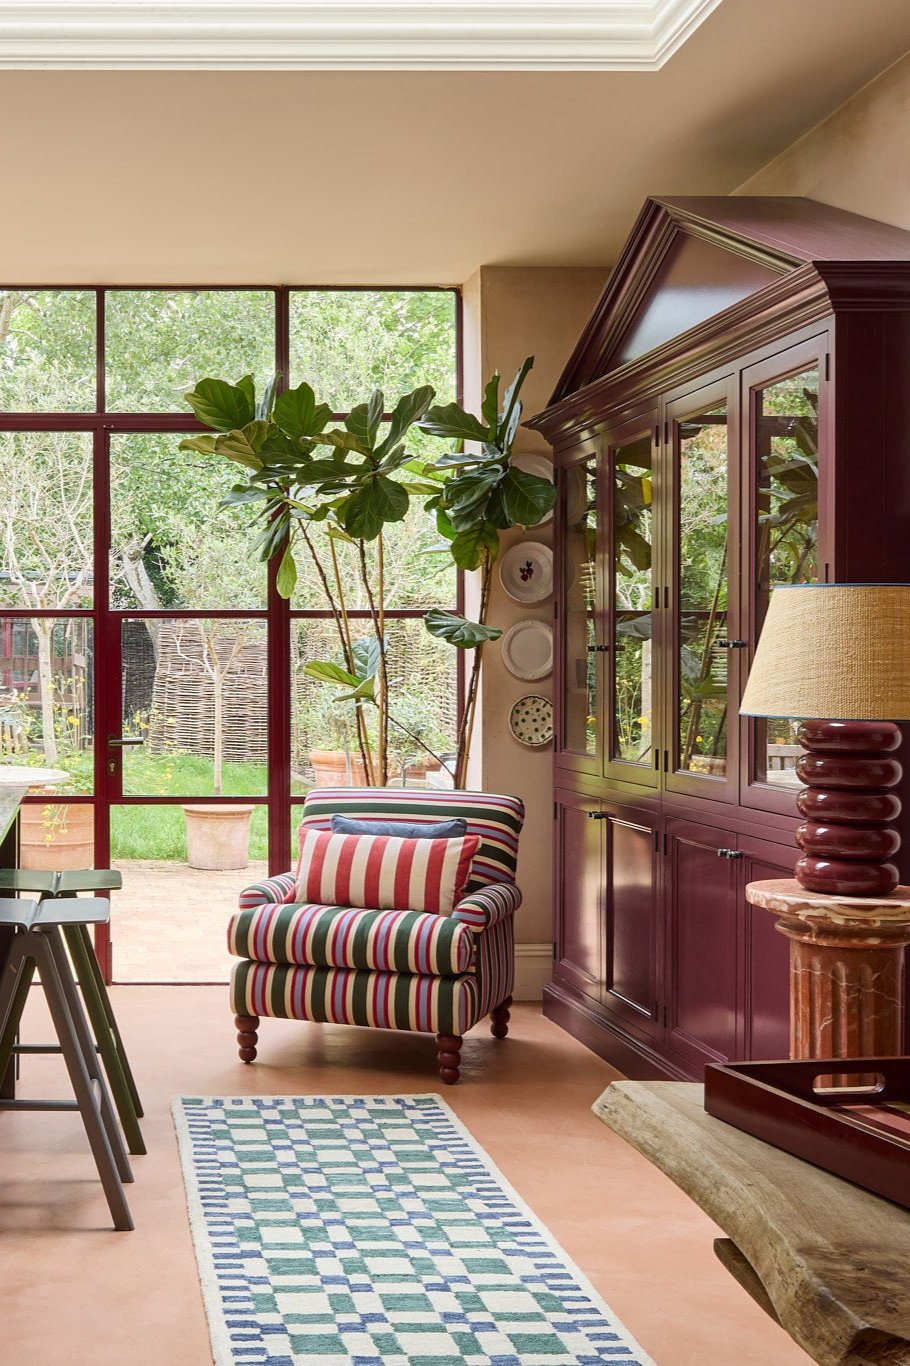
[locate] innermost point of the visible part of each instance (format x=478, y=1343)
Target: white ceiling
x=406, y=177
x=523, y=35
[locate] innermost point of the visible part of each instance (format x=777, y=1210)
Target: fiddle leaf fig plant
x=482, y=494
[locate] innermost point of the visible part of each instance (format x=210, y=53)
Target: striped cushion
x=380, y=872
x=382, y=1000
x=336, y=936
x=495, y=818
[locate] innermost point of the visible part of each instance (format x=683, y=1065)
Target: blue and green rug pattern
x=373, y=1231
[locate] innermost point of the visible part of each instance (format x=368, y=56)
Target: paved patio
x=169, y=922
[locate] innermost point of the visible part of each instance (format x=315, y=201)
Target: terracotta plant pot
x=334, y=768
x=64, y=839
x=218, y=837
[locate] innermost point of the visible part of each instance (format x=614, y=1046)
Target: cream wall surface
x=857, y=159
x=511, y=313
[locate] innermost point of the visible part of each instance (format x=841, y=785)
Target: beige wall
x=858, y=159
x=511, y=313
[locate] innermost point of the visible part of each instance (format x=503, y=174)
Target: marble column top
x=785, y=896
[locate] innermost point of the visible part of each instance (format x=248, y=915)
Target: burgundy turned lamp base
x=847, y=839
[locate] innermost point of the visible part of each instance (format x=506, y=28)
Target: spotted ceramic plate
x=531, y=720
x=542, y=468
x=526, y=571
x=527, y=649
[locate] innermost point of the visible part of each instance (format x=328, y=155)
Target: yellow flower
x=643, y=720
x=699, y=739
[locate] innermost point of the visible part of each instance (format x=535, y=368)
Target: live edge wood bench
x=827, y=1260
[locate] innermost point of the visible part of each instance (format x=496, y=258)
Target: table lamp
x=840, y=652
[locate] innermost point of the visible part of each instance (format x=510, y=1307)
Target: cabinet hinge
x=666, y=433
x=666, y=761
x=827, y=365
x=555, y=810
x=657, y=435
x=666, y=844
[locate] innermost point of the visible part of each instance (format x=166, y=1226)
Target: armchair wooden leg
x=499, y=1019
x=448, y=1050
x=246, y=1026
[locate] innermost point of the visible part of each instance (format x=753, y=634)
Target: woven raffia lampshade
x=840, y=652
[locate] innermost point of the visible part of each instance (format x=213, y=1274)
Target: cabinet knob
x=730, y=644
x=596, y=815
x=729, y=853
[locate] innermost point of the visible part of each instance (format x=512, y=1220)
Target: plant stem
x=383, y=670
x=417, y=740
x=467, y=721
x=371, y=603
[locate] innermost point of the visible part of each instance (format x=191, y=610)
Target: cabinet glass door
x=580, y=664
x=633, y=650
x=705, y=619
x=784, y=419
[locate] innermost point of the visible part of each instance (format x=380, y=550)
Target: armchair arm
x=274, y=889
x=488, y=906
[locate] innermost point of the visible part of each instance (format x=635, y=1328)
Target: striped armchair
x=408, y=970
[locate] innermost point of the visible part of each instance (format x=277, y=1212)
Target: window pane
x=423, y=684
x=632, y=561
x=702, y=667
x=786, y=445
x=46, y=519
x=47, y=713
x=346, y=343
x=47, y=351
x=194, y=693
x=580, y=667
x=171, y=545
x=159, y=342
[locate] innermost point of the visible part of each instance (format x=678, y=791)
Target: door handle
x=597, y=649
x=729, y=853
x=123, y=741
x=730, y=644
x=596, y=815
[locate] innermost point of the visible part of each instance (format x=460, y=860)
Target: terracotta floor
x=77, y=1294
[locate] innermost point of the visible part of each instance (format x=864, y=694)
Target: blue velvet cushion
x=404, y=830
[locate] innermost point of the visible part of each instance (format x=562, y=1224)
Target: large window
x=133, y=609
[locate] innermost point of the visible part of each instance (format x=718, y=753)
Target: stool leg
x=82, y=955
x=13, y=998
x=95, y=969
x=77, y=1058
x=73, y=1003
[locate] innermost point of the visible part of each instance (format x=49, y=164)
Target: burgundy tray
x=855, y=1130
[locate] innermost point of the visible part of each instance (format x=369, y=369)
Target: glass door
x=634, y=647
x=707, y=642
x=785, y=493
x=581, y=674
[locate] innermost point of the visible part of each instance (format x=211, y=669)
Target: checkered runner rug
x=374, y=1231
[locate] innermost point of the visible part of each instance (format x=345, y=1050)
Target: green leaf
x=443, y=525
x=297, y=412
x=457, y=630
x=327, y=672
x=267, y=402
x=286, y=579
x=376, y=502
x=470, y=490
x=454, y=460
x=279, y=449
x=363, y=421
x=510, y=397
x=244, y=445
x=408, y=410
x=450, y=419
x=490, y=406
x=526, y=498
x=243, y=494
x=365, y=690
x=366, y=656
x=223, y=406
x=206, y=444
x=468, y=546
x=344, y=441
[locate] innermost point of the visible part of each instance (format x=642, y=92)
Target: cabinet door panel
x=766, y=954
x=580, y=712
x=703, y=945
x=631, y=988
x=579, y=939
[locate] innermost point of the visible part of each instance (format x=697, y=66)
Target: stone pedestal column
x=846, y=968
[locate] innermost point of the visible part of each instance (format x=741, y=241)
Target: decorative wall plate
x=526, y=571
x=540, y=466
x=531, y=720
x=527, y=649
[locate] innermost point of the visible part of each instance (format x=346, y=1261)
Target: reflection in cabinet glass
x=581, y=669
x=785, y=415
x=703, y=581
x=632, y=602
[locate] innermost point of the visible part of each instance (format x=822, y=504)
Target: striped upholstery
x=279, y=888
x=341, y=937
x=382, y=872
x=488, y=906
x=378, y=1000
x=495, y=818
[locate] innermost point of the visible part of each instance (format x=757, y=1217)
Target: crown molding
x=336, y=35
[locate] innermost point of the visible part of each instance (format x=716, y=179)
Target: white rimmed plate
x=531, y=720
x=527, y=649
x=540, y=466
x=526, y=571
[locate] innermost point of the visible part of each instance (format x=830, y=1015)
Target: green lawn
x=159, y=832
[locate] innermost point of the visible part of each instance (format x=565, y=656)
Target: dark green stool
x=55, y=886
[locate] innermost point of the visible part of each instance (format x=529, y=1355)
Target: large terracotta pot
x=57, y=836
x=334, y=768
x=218, y=837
